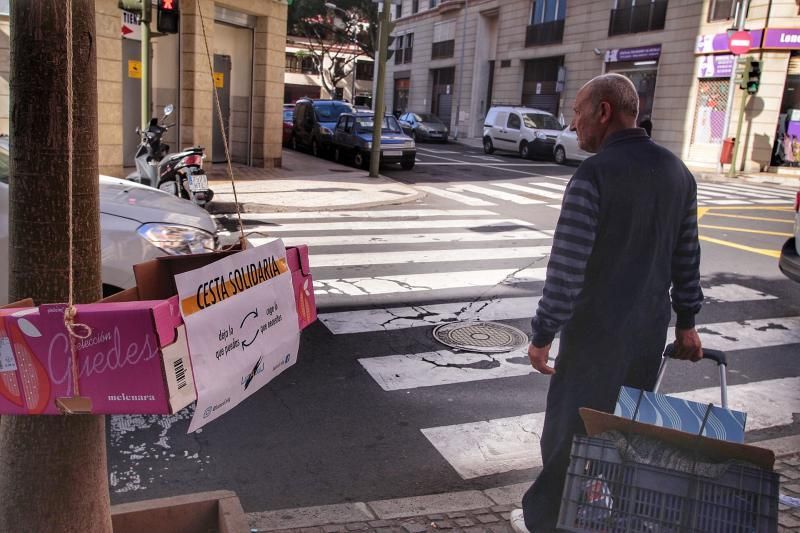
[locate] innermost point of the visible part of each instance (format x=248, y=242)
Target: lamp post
x=377, y=123
x=740, y=16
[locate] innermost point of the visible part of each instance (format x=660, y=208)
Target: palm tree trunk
x=53, y=474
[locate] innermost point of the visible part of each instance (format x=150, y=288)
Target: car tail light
x=797, y=203
x=193, y=160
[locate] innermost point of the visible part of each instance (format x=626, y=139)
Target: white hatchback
x=567, y=148
x=137, y=223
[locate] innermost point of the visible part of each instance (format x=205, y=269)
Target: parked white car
x=137, y=223
x=525, y=130
x=789, y=261
x=567, y=149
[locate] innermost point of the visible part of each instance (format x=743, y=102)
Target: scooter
x=180, y=174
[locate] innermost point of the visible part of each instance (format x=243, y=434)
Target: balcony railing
x=636, y=19
x=443, y=49
x=545, y=33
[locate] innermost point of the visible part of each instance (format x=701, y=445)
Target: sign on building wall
x=639, y=53
x=720, y=42
x=782, y=38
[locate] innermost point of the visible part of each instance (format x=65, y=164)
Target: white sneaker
x=517, y=520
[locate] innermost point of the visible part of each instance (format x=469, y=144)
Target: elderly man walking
x=627, y=232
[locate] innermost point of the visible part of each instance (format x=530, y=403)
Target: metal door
x=132, y=98
x=222, y=82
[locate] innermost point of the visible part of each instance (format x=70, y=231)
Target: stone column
x=270, y=64
x=196, y=83
x=109, y=87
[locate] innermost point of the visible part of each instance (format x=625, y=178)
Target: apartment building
x=350, y=66
x=247, y=41
x=456, y=58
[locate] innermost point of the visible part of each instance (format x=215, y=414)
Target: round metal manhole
x=481, y=337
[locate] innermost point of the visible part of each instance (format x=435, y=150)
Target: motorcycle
x=180, y=173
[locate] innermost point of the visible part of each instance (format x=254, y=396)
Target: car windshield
x=288, y=115
x=390, y=124
x=330, y=112
x=426, y=117
x=541, y=121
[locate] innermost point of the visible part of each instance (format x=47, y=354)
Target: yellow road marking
x=742, y=217
x=763, y=251
x=701, y=211
x=750, y=208
x=742, y=230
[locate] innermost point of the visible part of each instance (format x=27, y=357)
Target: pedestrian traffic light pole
x=737, y=139
x=377, y=125
x=742, y=7
x=145, y=25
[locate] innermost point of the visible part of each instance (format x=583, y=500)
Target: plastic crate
x=604, y=493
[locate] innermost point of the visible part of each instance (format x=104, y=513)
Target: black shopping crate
x=604, y=493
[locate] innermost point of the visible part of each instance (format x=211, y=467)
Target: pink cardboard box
x=135, y=360
x=303, y=284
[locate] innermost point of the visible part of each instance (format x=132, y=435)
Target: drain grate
x=481, y=337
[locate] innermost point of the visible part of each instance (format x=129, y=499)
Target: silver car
x=137, y=223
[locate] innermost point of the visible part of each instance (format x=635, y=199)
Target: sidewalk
x=304, y=183
x=474, y=511
x=704, y=174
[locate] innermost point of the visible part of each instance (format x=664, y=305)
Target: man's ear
x=605, y=112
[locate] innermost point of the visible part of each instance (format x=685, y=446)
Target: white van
x=528, y=131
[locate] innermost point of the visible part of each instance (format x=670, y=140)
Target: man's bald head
x=618, y=91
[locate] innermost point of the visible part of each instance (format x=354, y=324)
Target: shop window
x=547, y=22
x=720, y=10
x=636, y=16
x=709, y=111
x=364, y=70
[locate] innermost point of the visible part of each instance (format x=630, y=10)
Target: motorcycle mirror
x=168, y=110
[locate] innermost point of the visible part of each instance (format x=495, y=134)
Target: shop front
x=640, y=65
x=786, y=148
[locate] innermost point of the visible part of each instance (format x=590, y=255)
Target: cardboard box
x=597, y=422
x=135, y=360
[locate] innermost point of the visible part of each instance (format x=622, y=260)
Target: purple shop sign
x=785, y=38
x=639, y=53
x=716, y=66
x=711, y=44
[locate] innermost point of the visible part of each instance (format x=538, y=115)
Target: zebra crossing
x=544, y=192
x=473, y=264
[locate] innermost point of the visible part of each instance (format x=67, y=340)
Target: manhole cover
x=483, y=337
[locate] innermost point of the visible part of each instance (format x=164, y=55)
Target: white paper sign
x=7, y=361
x=241, y=324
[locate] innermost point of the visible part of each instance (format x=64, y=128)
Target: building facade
x=303, y=76
x=246, y=40
x=456, y=58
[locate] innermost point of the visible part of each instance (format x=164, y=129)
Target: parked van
x=314, y=121
x=525, y=130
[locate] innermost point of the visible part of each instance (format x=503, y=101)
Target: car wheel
x=407, y=163
x=524, y=150
x=337, y=155
x=315, y=148
x=414, y=135
x=488, y=146
x=560, y=155
x=360, y=160
x=293, y=142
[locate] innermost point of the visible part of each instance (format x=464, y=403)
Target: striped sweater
x=582, y=225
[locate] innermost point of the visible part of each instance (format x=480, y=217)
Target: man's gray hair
x=615, y=89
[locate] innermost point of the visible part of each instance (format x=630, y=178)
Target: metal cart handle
x=715, y=355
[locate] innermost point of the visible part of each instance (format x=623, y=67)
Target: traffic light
x=742, y=63
x=753, y=76
x=134, y=6
x=168, y=16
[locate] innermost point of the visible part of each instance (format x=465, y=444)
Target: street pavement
x=376, y=409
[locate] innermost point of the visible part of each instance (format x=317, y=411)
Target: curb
x=772, y=179
x=345, y=513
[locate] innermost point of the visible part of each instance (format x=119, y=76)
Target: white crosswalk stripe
x=396, y=213
x=427, y=256
x=709, y=194
x=491, y=447
x=411, y=238
x=359, y=225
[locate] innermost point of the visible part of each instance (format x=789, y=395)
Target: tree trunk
x=53, y=474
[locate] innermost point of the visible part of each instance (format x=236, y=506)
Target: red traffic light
x=168, y=5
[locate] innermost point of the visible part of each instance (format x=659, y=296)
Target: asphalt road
x=376, y=408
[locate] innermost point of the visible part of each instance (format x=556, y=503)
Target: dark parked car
x=424, y=127
x=352, y=138
x=288, y=124
x=314, y=121
x=789, y=261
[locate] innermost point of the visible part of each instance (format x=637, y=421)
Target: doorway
x=222, y=83
x=442, y=94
